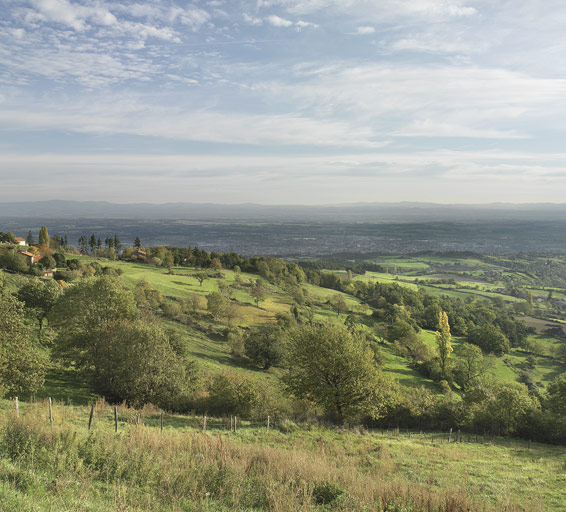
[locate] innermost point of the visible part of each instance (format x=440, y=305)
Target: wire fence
x=120, y=416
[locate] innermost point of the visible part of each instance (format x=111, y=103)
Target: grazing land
x=287, y=467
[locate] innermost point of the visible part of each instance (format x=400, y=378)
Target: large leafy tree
x=471, y=365
x=85, y=310
x=22, y=365
x=135, y=362
x=556, y=396
x=39, y=298
x=490, y=339
x=265, y=345
x=335, y=369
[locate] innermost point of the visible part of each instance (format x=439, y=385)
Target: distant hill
x=357, y=212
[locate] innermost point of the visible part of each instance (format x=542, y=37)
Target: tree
x=40, y=297
x=216, y=304
x=195, y=302
x=44, y=236
x=29, y=239
x=233, y=393
x=443, y=338
x=201, y=277
x=258, y=291
x=168, y=261
x=14, y=261
x=504, y=408
x=265, y=345
x=83, y=312
x=137, y=242
x=336, y=370
x=92, y=244
x=117, y=244
x=147, y=296
x=215, y=264
x=83, y=244
x=490, y=339
x=338, y=304
x=135, y=363
x=22, y=365
x=556, y=396
x=48, y=261
x=471, y=365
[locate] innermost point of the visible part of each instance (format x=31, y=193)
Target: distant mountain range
x=357, y=212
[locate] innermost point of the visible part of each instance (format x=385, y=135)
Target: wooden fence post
x=204, y=423
x=115, y=419
x=450, y=436
x=50, y=411
x=17, y=408
x=161, y=422
x=90, y=416
x=235, y=424
x=268, y=422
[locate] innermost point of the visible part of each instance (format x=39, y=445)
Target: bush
x=327, y=493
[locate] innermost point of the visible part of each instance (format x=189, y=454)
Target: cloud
x=277, y=21
x=383, y=10
x=300, y=25
x=132, y=116
x=431, y=128
x=74, y=16
x=251, y=20
x=364, y=30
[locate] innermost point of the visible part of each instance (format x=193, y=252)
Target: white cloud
x=382, y=10
x=251, y=20
x=300, y=25
x=277, y=21
x=73, y=15
x=364, y=30
x=432, y=128
x=129, y=116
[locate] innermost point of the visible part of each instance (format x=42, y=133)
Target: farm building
x=30, y=257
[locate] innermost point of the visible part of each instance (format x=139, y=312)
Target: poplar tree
x=44, y=236
x=443, y=338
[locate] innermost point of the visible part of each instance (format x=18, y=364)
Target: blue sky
x=283, y=101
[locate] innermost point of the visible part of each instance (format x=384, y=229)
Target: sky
x=283, y=101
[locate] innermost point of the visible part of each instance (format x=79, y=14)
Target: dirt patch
x=540, y=325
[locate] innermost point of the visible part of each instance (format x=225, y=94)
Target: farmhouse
x=30, y=257
x=20, y=241
x=139, y=255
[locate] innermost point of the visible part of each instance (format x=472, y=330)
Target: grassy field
x=286, y=468
x=208, y=346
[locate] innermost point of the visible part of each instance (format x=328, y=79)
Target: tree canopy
x=335, y=369
x=22, y=365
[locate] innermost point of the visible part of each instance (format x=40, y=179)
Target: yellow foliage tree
x=443, y=338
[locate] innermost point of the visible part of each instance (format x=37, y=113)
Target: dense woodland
x=121, y=341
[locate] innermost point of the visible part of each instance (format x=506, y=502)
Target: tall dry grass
x=144, y=469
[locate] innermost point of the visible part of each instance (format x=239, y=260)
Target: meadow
x=288, y=467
